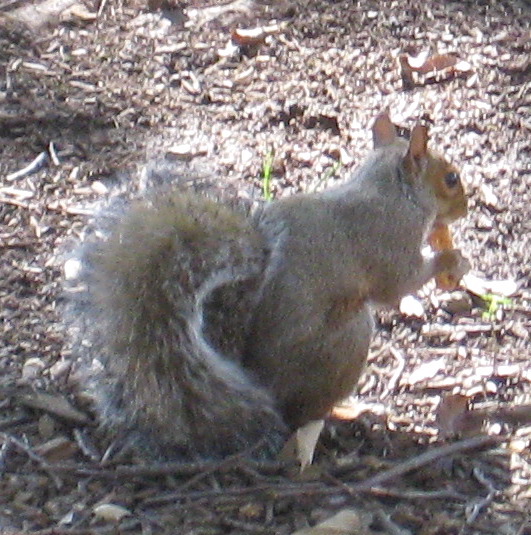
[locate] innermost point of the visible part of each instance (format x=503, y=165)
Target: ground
x=101, y=90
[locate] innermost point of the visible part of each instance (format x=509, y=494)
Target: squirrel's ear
x=383, y=131
x=418, y=142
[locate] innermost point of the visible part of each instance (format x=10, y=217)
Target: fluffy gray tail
x=160, y=325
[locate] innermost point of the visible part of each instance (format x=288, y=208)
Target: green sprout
x=492, y=305
x=267, y=172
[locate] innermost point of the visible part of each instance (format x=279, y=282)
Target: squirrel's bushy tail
x=162, y=302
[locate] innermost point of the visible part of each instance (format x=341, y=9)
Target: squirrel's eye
x=451, y=179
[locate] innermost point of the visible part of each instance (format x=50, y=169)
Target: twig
x=88, y=449
x=53, y=154
x=4, y=450
x=237, y=526
x=426, y=458
x=288, y=489
x=33, y=167
x=405, y=494
x=55, y=207
x=285, y=490
x=101, y=7
x=402, y=493
x=473, y=510
x=18, y=245
x=43, y=463
x=14, y=422
x=389, y=526
x=391, y=384
x=73, y=531
x=14, y=202
x=279, y=490
x=157, y=470
x=220, y=465
x=370, y=485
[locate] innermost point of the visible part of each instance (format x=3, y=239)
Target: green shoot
x=267, y=172
x=492, y=305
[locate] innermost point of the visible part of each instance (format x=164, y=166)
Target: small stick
x=43, y=463
x=476, y=508
x=391, y=384
x=389, y=526
x=405, y=494
x=33, y=167
x=14, y=202
x=157, y=470
x=103, y=3
x=426, y=458
x=53, y=154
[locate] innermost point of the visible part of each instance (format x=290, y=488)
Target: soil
x=100, y=91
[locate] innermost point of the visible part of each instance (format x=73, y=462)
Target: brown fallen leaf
x=426, y=371
x=254, y=36
x=424, y=64
x=411, y=306
x=301, y=445
x=452, y=416
x=54, y=404
x=479, y=286
x=57, y=449
x=110, y=512
x=78, y=12
x=41, y=14
x=346, y=522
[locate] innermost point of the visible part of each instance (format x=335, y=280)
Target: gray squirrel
x=220, y=332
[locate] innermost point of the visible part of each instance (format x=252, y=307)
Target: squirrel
x=219, y=331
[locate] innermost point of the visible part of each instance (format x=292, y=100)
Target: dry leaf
x=72, y=269
x=346, y=522
x=78, y=11
x=111, y=512
x=307, y=437
x=352, y=411
x=490, y=197
x=254, y=36
x=479, y=286
x=241, y=37
x=425, y=64
x=428, y=370
x=252, y=511
x=32, y=368
x=46, y=426
x=57, y=449
x=53, y=404
x=38, y=16
x=411, y=306
x=301, y=444
x=184, y=152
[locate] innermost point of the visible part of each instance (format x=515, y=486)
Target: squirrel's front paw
x=451, y=266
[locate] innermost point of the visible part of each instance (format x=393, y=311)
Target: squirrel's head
x=424, y=165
